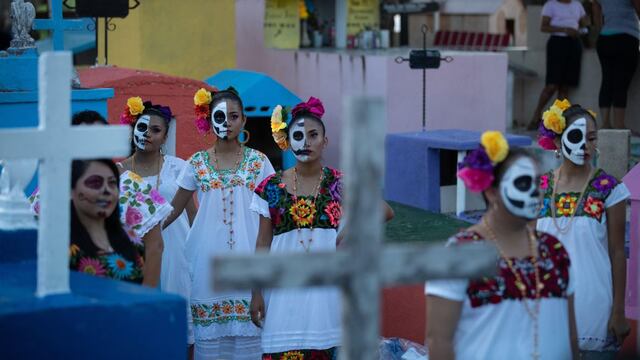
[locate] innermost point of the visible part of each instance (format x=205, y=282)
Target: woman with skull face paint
x=99, y=245
x=150, y=130
x=141, y=210
x=586, y=209
x=224, y=177
x=526, y=310
x=300, y=211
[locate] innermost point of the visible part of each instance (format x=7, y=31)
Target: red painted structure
x=158, y=88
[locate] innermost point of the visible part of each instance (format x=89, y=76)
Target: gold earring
x=247, y=136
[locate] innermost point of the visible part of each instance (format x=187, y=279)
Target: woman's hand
x=571, y=32
x=256, y=308
x=619, y=326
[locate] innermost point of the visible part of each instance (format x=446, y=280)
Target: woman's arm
x=263, y=244
x=636, y=5
x=191, y=211
x=596, y=13
x=153, y=247
x=388, y=212
x=616, y=220
x=573, y=330
x=180, y=201
x=443, y=316
x=546, y=27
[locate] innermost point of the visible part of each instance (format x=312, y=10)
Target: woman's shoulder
x=271, y=180
x=465, y=236
x=549, y=244
x=253, y=153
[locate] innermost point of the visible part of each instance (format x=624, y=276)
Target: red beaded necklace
x=231, y=242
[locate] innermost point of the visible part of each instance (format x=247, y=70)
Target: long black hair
x=118, y=238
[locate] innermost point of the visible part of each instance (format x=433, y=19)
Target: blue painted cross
x=57, y=24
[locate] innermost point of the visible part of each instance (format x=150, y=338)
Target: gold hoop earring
x=247, y=136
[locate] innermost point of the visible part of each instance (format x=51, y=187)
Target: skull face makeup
x=219, y=120
x=141, y=131
x=574, y=140
x=298, y=140
x=519, y=189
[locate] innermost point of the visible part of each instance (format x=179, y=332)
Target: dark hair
x=228, y=94
x=308, y=115
x=118, y=238
x=575, y=112
x=88, y=117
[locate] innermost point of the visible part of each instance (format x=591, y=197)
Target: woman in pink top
x=563, y=19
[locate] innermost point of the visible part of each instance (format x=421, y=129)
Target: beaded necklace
x=312, y=206
x=535, y=312
x=231, y=242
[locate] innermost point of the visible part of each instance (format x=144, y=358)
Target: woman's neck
x=94, y=226
x=309, y=169
x=146, y=157
x=571, y=170
x=223, y=146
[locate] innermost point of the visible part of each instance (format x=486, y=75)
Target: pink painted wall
x=469, y=93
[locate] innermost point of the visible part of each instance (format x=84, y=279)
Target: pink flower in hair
x=547, y=143
x=313, y=106
x=476, y=180
x=203, y=125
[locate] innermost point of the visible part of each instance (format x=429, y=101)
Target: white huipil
x=223, y=196
x=586, y=240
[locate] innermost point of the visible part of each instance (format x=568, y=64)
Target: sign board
x=281, y=24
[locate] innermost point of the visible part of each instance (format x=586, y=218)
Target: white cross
x=56, y=144
x=365, y=265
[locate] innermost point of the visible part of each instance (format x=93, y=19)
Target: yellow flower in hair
x=276, y=120
x=562, y=104
x=135, y=105
x=202, y=97
x=553, y=120
x=593, y=113
x=495, y=145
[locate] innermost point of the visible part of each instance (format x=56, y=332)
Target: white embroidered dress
x=174, y=275
x=587, y=243
x=221, y=314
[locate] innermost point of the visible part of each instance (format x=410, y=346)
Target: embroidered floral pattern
x=246, y=175
x=138, y=200
x=303, y=212
x=592, y=204
x=544, y=182
x=287, y=214
x=327, y=354
x=594, y=207
x=112, y=265
x=553, y=265
x=221, y=312
x=566, y=204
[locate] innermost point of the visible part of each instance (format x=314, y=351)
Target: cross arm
x=47, y=24
x=280, y=270
x=412, y=263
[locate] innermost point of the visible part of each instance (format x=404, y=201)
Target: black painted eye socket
x=523, y=183
x=298, y=135
x=142, y=127
x=575, y=136
x=219, y=117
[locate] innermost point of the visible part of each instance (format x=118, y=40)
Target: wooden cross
x=364, y=266
x=57, y=24
x=56, y=144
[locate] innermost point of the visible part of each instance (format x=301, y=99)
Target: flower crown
x=554, y=123
x=477, y=168
x=279, y=119
x=202, y=100
x=135, y=108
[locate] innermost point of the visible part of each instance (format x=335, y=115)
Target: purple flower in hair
x=477, y=159
x=544, y=132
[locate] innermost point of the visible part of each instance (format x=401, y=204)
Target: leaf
x=123, y=200
x=149, y=202
x=127, y=182
x=152, y=209
x=146, y=192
